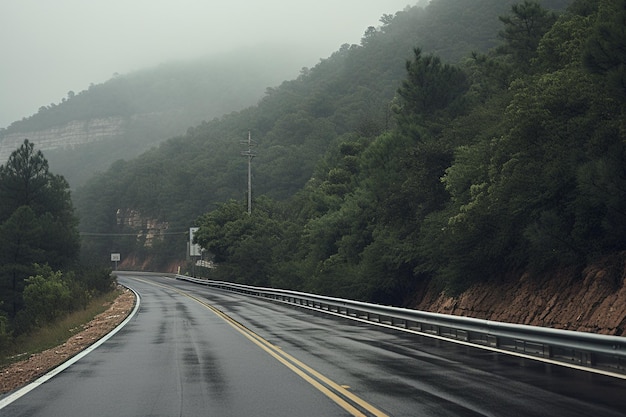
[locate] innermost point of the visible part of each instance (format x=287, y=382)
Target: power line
x=128, y=234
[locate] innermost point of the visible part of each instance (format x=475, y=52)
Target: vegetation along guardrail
x=588, y=351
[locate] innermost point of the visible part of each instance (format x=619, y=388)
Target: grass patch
x=55, y=333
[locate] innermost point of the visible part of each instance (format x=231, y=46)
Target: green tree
x=23, y=181
x=19, y=250
x=605, y=52
x=429, y=88
x=523, y=30
x=242, y=244
x=37, y=222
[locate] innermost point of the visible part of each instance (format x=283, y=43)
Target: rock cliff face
x=594, y=301
x=77, y=132
x=148, y=230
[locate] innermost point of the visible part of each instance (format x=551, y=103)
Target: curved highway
x=191, y=350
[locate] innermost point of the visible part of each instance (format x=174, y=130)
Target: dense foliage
x=38, y=239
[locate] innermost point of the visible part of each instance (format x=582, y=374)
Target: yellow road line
x=336, y=391
x=273, y=351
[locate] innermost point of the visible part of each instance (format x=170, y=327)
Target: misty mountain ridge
x=130, y=113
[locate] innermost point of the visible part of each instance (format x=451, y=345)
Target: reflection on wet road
x=192, y=350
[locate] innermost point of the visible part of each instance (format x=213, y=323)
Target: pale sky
x=49, y=47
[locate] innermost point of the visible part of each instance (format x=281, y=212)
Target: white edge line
x=42, y=379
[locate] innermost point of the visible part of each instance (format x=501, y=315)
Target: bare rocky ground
x=21, y=373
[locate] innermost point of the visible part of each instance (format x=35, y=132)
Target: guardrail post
x=495, y=341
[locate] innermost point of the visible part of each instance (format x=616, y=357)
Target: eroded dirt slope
x=591, y=301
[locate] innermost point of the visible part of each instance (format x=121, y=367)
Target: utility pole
x=250, y=155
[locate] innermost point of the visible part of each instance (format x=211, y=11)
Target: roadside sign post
x=115, y=257
x=194, y=250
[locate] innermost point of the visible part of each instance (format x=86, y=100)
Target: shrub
x=99, y=280
x=47, y=296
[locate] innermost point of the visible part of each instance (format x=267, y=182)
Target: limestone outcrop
x=68, y=135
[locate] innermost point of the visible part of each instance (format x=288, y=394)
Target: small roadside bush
x=99, y=280
x=47, y=296
x=50, y=295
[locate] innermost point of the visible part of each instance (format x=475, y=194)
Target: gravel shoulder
x=18, y=374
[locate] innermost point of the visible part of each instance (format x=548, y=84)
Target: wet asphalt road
x=196, y=351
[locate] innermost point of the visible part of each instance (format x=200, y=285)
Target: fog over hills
x=102, y=82
x=50, y=48
x=130, y=113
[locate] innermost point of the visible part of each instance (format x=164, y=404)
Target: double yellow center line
x=340, y=395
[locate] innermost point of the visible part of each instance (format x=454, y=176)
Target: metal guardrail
x=593, y=352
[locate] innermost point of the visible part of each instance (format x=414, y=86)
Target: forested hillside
x=349, y=93
x=373, y=176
